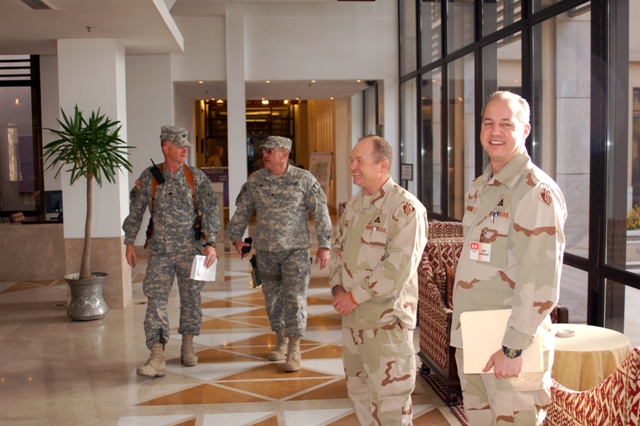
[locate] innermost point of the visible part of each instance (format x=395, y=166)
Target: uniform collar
x=286, y=174
x=378, y=198
x=509, y=175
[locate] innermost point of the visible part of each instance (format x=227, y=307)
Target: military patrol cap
x=277, y=142
x=176, y=135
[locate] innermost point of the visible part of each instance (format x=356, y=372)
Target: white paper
x=482, y=333
x=199, y=272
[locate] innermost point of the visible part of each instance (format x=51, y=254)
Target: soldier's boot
x=188, y=355
x=293, y=355
x=280, y=351
x=155, y=366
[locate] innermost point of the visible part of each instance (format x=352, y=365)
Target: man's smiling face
x=503, y=133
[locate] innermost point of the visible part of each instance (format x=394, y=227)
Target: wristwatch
x=210, y=244
x=511, y=353
x=333, y=289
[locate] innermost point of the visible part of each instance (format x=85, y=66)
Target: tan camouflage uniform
x=375, y=256
x=283, y=239
x=527, y=245
x=172, y=245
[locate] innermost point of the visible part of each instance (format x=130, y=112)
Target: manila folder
x=482, y=333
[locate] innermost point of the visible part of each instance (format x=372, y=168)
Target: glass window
x=541, y=4
x=408, y=131
x=560, y=115
x=431, y=29
x=431, y=90
x=499, y=14
x=18, y=186
x=631, y=318
x=461, y=138
x=502, y=65
x=623, y=210
x=460, y=24
x=573, y=293
x=408, y=37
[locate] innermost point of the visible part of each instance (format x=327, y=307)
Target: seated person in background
x=216, y=159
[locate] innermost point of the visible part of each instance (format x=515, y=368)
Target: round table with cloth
x=584, y=360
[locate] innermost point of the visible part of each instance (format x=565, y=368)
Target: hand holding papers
x=482, y=333
x=199, y=272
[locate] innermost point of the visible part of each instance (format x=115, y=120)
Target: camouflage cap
x=277, y=142
x=177, y=135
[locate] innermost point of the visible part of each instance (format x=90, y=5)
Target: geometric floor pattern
x=74, y=371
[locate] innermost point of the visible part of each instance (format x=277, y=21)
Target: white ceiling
x=144, y=27
x=321, y=89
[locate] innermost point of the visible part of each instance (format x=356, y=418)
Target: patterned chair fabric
x=444, y=245
x=615, y=401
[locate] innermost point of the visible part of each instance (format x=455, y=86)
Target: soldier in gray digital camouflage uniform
x=374, y=280
x=282, y=195
x=512, y=258
x=172, y=245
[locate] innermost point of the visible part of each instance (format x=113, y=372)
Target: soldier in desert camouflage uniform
x=282, y=195
x=374, y=280
x=172, y=246
x=514, y=243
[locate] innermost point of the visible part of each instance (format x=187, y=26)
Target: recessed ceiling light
x=268, y=81
x=358, y=81
x=200, y=82
x=313, y=81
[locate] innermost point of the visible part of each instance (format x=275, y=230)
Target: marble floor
x=55, y=371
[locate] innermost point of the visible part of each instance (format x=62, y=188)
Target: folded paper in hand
x=482, y=334
x=199, y=272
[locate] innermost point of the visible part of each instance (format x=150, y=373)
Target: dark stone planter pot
x=87, y=302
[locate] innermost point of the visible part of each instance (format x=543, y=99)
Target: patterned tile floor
x=54, y=371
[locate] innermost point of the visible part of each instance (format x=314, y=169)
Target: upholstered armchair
x=435, y=278
x=615, y=401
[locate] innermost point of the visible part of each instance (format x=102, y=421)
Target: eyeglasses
x=269, y=150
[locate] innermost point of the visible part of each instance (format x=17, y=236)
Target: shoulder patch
x=408, y=208
x=139, y=185
x=316, y=187
x=545, y=196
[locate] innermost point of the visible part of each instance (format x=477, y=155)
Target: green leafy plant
x=92, y=148
x=633, y=218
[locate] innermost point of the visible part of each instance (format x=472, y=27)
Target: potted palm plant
x=92, y=149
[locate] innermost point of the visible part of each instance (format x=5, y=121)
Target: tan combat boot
x=188, y=355
x=280, y=351
x=293, y=355
x=155, y=366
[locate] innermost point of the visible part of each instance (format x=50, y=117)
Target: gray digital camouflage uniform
x=375, y=256
x=521, y=212
x=172, y=245
x=282, y=239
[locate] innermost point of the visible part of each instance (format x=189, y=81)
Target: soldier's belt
x=270, y=277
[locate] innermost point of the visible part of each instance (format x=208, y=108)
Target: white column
x=236, y=104
x=91, y=74
x=357, y=131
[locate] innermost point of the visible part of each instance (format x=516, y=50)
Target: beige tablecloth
x=590, y=356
